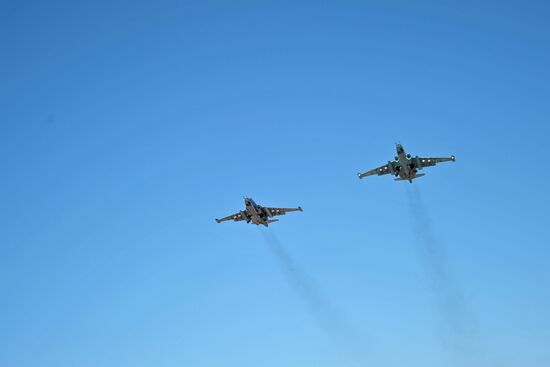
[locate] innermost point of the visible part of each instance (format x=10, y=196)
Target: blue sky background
x=126, y=128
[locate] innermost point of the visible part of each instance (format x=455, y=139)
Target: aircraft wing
x=390, y=167
x=422, y=162
x=235, y=217
x=281, y=211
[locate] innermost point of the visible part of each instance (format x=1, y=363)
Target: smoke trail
x=457, y=322
x=328, y=318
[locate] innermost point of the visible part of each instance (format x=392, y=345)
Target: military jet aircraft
x=258, y=214
x=405, y=167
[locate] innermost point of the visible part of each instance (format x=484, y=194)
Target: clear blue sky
x=127, y=127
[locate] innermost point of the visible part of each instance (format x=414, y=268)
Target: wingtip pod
x=300, y=209
x=453, y=158
x=217, y=220
x=359, y=176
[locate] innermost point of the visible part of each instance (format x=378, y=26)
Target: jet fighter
x=258, y=214
x=405, y=167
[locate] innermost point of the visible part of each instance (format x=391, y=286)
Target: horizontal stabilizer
x=406, y=179
x=272, y=220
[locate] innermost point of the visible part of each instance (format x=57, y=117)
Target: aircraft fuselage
x=406, y=169
x=255, y=213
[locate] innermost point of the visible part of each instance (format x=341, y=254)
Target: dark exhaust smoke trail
x=457, y=322
x=328, y=318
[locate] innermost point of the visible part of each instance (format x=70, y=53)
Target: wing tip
x=218, y=221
